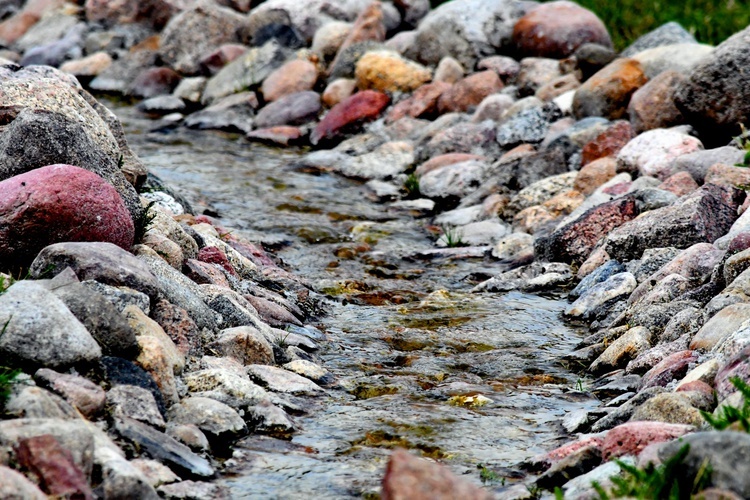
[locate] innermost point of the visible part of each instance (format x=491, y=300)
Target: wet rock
x=154, y=82
x=594, y=174
x=653, y=152
x=469, y=92
x=626, y=348
x=725, y=451
x=701, y=216
x=231, y=387
x=272, y=313
x=598, y=299
x=266, y=418
x=219, y=422
x=672, y=367
x=599, y=275
x=608, y=92
x=720, y=326
x=666, y=34
x=557, y=29
x=159, y=446
x=575, y=240
x=672, y=408
x=712, y=81
x=385, y=71
x=186, y=490
x=407, y=476
x=134, y=402
x=102, y=320
x=15, y=485
x=347, y=115
x=280, y=380
x=310, y=370
x=633, y=437
x=192, y=33
x=102, y=262
x=282, y=136
x=246, y=71
x=608, y=143
x=580, y=462
x=84, y=395
x=233, y=113
x=53, y=465
x=244, y=343
x=292, y=109
x=40, y=331
x=118, y=371
x=294, y=76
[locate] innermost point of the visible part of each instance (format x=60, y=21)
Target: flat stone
x=266, y=418
x=280, y=380
x=596, y=301
x=349, y=114
x=221, y=384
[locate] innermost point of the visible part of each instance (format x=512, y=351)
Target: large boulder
x=39, y=331
x=195, y=32
x=557, y=29
x=716, y=97
x=467, y=30
x=59, y=203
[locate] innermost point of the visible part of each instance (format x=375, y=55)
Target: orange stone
x=608, y=92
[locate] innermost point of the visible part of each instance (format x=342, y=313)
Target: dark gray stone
x=173, y=454
x=600, y=274
x=118, y=371
x=666, y=34
x=727, y=452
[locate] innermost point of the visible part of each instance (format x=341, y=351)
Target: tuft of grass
x=7, y=379
x=144, y=221
x=452, y=237
x=489, y=476
x=411, y=186
x=731, y=415
x=660, y=481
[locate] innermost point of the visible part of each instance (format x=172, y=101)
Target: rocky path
x=504, y=148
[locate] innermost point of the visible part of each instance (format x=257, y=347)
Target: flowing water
x=468, y=379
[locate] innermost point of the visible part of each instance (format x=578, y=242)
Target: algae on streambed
x=420, y=362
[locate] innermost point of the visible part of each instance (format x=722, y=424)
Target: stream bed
x=420, y=362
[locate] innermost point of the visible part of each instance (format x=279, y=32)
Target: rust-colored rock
x=422, y=104
x=594, y=174
x=652, y=106
x=54, y=465
x=681, y=183
x=608, y=143
x=557, y=29
x=469, y=92
x=608, y=92
x=412, y=478
x=294, y=76
x=347, y=115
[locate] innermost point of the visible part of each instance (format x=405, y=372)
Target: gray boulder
x=666, y=34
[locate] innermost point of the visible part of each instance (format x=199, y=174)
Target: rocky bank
x=150, y=338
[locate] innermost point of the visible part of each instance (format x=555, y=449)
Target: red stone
x=469, y=92
x=422, y=104
x=696, y=386
x=673, y=367
x=178, y=324
x=681, y=183
x=409, y=477
x=204, y=273
x=59, y=203
x=618, y=189
x=213, y=255
x=557, y=29
x=58, y=474
x=631, y=438
x=608, y=143
x=739, y=243
x=217, y=59
x=155, y=81
x=347, y=115
x=566, y=450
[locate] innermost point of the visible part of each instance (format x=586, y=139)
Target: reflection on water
x=421, y=363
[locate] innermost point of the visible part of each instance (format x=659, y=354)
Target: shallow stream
x=469, y=379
